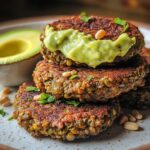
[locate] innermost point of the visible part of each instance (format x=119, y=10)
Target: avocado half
x=19, y=52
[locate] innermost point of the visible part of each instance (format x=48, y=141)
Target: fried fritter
x=87, y=84
x=95, y=24
x=62, y=121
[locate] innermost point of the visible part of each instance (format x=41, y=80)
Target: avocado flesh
x=83, y=48
x=18, y=45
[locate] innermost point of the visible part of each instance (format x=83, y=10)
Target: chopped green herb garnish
x=90, y=77
x=46, y=99
x=73, y=102
x=32, y=89
x=84, y=17
x=10, y=118
x=42, y=102
x=73, y=77
x=122, y=23
x=44, y=96
x=2, y=112
x=51, y=99
x=125, y=28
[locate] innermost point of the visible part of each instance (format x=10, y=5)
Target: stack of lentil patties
x=76, y=99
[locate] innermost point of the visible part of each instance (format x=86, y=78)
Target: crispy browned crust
x=105, y=83
x=62, y=121
x=96, y=23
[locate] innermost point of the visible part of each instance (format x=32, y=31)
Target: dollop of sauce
x=83, y=48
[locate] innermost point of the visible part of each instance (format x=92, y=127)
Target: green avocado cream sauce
x=83, y=48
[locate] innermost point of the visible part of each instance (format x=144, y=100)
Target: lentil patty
x=62, y=121
x=87, y=84
x=95, y=24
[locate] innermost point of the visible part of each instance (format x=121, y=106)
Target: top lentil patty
x=95, y=24
x=87, y=84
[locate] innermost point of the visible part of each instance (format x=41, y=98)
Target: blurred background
x=138, y=10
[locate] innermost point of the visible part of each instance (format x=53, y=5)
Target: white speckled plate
x=115, y=138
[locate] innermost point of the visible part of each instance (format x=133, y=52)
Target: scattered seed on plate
x=6, y=91
x=137, y=114
x=123, y=119
x=132, y=118
x=5, y=101
x=8, y=103
x=132, y=126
